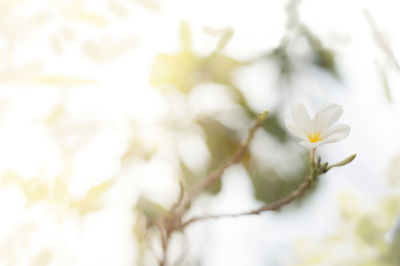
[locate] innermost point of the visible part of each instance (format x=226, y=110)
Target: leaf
x=60, y=194
x=268, y=185
x=224, y=34
x=179, y=70
x=191, y=178
x=222, y=143
x=280, y=56
x=274, y=128
x=98, y=190
x=225, y=39
x=151, y=210
x=369, y=231
x=34, y=190
x=325, y=59
x=54, y=115
x=220, y=68
x=187, y=69
x=91, y=202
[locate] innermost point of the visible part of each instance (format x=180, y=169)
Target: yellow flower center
x=314, y=137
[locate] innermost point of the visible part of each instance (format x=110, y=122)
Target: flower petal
x=336, y=133
x=294, y=130
x=312, y=145
x=301, y=118
x=326, y=117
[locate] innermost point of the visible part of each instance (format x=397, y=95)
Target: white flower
x=319, y=130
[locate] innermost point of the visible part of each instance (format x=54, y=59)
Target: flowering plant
x=319, y=130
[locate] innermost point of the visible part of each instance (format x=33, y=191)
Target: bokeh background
x=106, y=105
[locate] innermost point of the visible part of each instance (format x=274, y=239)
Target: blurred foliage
x=323, y=56
x=151, y=211
x=36, y=190
x=385, y=81
x=268, y=184
x=222, y=143
x=185, y=69
x=91, y=201
x=273, y=126
x=361, y=232
x=291, y=62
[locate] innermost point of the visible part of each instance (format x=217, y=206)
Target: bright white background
x=90, y=73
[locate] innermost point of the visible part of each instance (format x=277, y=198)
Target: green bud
x=343, y=162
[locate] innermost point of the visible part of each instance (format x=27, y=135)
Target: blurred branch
x=240, y=152
x=380, y=39
x=316, y=169
x=172, y=222
x=181, y=196
x=297, y=193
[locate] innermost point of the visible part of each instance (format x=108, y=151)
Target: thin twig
x=180, y=198
x=297, y=193
x=316, y=170
x=164, y=235
x=173, y=222
x=237, y=157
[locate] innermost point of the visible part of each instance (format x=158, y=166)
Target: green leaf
x=222, y=143
x=220, y=68
x=268, y=185
x=221, y=140
x=193, y=178
x=325, y=59
x=179, y=70
x=369, y=231
x=283, y=60
x=150, y=209
x=274, y=128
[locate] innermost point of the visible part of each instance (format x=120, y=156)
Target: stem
x=217, y=174
x=173, y=222
x=313, y=157
x=165, y=244
x=315, y=171
x=297, y=193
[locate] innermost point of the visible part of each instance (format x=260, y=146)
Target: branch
x=173, y=222
x=316, y=170
x=237, y=157
x=181, y=196
x=381, y=40
x=297, y=193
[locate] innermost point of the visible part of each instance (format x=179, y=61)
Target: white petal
x=311, y=145
x=301, y=118
x=336, y=133
x=326, y=117
x=295, y=131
